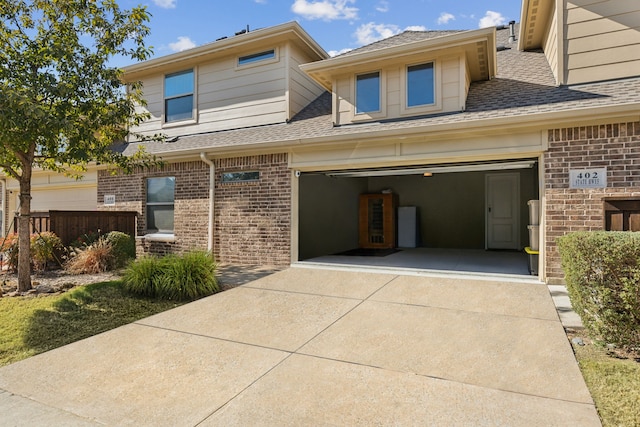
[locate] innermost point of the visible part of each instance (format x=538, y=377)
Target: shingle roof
x=400, y=39
x=524, y=85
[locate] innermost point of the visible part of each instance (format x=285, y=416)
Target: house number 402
x=588, y=178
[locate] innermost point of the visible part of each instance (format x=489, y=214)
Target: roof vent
x=512, y=31
x=246, y=30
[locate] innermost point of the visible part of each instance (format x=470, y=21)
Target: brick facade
x=614, y=146
x=252, y=219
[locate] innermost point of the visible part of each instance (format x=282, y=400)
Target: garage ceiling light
x=425, y=171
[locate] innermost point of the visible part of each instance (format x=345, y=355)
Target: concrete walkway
x=318, y=347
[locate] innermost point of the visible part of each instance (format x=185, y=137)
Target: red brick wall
x=252, y=219
x=614, y=146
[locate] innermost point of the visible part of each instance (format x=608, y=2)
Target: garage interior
x=449, y=207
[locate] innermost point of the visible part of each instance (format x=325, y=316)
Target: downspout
x=212, y=182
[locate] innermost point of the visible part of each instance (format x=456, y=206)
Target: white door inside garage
x=503, y=210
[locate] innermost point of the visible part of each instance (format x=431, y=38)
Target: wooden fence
x=69, y=225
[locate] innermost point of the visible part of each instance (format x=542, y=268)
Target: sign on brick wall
x=588, y=178
x=109, y=199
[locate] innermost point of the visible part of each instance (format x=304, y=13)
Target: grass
x=29, y=326
x=614, y=384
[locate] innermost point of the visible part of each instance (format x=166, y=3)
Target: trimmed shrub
x=123, y=247
x=602, y=271
x=98, y=257
x=173, y=277
x=46, y=247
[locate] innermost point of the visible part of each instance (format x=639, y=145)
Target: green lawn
x=29, y=326
x=614, y=384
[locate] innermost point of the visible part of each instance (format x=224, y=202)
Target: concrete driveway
x=318, y=347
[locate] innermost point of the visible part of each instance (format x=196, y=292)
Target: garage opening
x=471, y=217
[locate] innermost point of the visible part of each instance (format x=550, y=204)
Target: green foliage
x=123, y=247
x=602, y=271
x=139, y=276
x=85, y=240
x=173, y=277
x=97, y=257
x=62, y=105
x=45, y=247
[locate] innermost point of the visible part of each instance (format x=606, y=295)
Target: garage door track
x=319, y=347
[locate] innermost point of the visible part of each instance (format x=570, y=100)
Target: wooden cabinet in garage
x=377, y=220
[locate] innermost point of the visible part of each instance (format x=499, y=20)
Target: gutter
x=212, y=182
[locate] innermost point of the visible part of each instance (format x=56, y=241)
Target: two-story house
x=271, y=144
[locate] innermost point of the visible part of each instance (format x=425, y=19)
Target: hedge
x=602, y=272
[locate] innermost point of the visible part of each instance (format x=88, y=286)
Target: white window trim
x=159, y=237
x=374, y=115
x=437, y=90
x=194, y=109
x=260, y=63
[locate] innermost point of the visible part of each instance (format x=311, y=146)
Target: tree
x=62, y=105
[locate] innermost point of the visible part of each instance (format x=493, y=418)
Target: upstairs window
x=368, y=93
x=420, y=85
x=178, y=96
x=261, y=56
x=160, y=204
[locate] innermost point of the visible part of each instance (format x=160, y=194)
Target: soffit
x=236, y=45
x=534, y=22
x=478, y=46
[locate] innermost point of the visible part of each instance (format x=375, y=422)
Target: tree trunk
x=24, y=237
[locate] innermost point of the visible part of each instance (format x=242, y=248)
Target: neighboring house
x=49, y=191
x=270, y=142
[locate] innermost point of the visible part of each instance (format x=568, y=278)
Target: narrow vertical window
x=160, y=204
x=420, y=85
x=178, y=96
x=368, y=93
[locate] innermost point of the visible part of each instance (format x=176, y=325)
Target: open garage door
x=459, y=209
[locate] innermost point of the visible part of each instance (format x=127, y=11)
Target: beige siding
x=54, y=191
x=345, y=104
x=602, y=40
x=227, y=97
x=550, y=46
x=394, y=92
x=452, y=83
x=302, y=89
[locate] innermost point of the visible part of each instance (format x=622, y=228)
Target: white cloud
x=183, y=43
x=372, y=32
x=165, y=4
x=492, y=19
x=445, y=17
x=333, y=53
x=261, y=1
x=327, y=10
x=383, y=6
x=416, y=28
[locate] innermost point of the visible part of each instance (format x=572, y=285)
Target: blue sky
x=337, y=25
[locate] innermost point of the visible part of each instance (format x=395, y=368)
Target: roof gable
x=478, y=45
